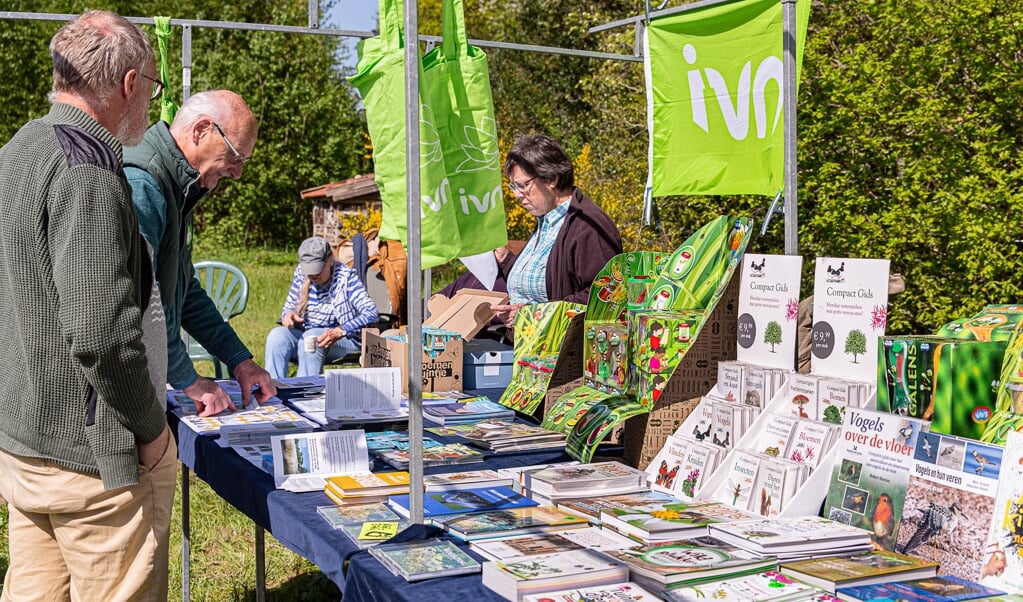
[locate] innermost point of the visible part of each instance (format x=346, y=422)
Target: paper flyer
x=850, y=312
x=768, y=310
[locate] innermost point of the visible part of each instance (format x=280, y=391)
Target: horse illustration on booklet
x=653, y=337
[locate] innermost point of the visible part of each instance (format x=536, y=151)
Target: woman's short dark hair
x=543, y=157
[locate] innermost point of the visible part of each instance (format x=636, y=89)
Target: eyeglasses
x=238, y=157
x=157, y=86
x=521, y=187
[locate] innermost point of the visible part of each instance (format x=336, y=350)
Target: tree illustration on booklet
x=772, y=334
x=856, y=344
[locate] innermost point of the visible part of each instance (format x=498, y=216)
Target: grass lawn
x=223, y=556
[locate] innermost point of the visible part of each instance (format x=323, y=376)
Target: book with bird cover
x=872, y=467
x=1003, y=552
x=949, y=503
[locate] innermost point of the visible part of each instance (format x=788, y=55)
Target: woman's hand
x=506, y=313
x=292, y=320
x=330, y=336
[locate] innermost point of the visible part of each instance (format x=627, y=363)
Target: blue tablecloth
x=292, y=519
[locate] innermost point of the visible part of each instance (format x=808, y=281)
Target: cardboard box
x=486, y=364
x=645, y=434
x=466, y=313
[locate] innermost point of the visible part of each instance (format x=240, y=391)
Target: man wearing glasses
x=212, y=136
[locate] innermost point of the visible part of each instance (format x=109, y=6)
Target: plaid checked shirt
x=527, y=282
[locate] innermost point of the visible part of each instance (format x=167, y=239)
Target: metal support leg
x=260, y=565
x=186, y=533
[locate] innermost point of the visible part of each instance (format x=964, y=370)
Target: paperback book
x=356, y=515
x=513, y=521
x=585, y=479
x=427, y=559
x=1003, y=560
x=671, y=520
x=515, y=578
x=876, y=566
x=944, y=588
x=949, y=504
x=470, y=479
x=871, y=473
x=466, y=412
x=591, y=506
x=502, y=436
x=793, y=537
x=442, y=503
x=368, y=483
x=668, y=563
x=617, y=592
x=768, y=586
x=451, y=453
x=363, y=395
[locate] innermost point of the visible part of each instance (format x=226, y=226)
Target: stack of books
x=514, y=521
x=365, y=487
x=932, y=589
x=451, y=453
x=463, y=501
x=515, y=578
x=616, y=592
x=794, y=537
x=593, y=538
x=503, y=436
x=350, y=520
x=469, y=479
x=665, y=564
x=768, y=586
x=427, y=559
x=592, y=506
x=671, y=520
x=466, y=412
x=584, y=480
x=878, y=566
x=259, y=433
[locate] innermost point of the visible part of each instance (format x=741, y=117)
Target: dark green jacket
x=165, y=191
x=76, y=385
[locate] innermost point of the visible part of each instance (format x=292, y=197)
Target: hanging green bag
x=456, y=85
x=445, y=227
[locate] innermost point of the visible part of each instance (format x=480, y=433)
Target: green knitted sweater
x=75, y=382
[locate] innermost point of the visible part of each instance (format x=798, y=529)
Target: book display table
x=293, y=520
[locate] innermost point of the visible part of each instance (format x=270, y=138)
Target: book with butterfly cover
x=949, y=503
x=873, y=462
x=664, y=468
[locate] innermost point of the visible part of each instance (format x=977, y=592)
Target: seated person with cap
x=323, y=317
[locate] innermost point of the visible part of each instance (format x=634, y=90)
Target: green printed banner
x=714, y=98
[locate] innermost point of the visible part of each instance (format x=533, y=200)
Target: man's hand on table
x=209, y=398
x=250, y=375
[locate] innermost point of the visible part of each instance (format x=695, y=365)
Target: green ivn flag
x=714, y=98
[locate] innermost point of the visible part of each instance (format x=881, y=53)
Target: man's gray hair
x=214, y=104
x=92, y=53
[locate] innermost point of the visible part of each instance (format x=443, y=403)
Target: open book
x=358, y=395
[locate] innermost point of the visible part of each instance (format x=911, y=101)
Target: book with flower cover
x=667, y=563
x=616, y=592
x=426, y=559
x=767, y=586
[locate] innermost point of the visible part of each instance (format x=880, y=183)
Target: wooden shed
x=347, y=196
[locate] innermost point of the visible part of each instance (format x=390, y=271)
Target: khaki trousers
x=71, y=540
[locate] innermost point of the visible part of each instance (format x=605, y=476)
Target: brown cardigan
x=586, y=242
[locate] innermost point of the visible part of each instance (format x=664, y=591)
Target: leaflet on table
x=210, y=425
x=850, y=311
x=768, y=308
x=303, y=462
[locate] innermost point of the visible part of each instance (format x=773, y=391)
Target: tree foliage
x=310, y=130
